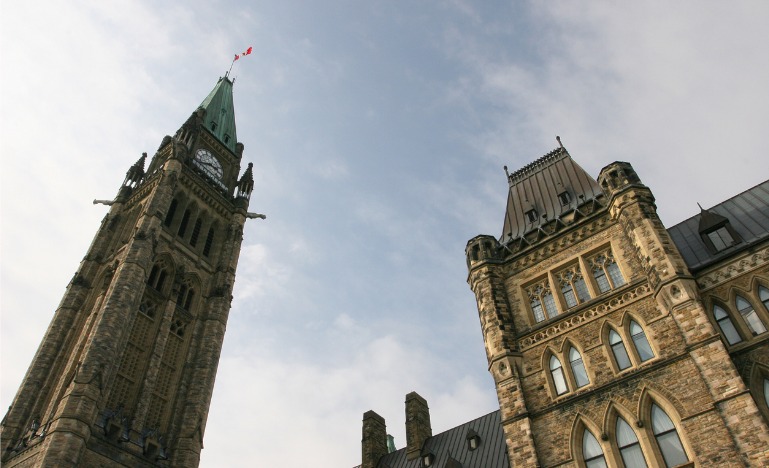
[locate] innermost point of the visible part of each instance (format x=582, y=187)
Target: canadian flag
x=247, y=52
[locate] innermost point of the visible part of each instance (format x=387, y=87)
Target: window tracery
x=573, y=286
x=606, y=272
x=541, y=301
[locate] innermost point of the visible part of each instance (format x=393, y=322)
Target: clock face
x=209, y=164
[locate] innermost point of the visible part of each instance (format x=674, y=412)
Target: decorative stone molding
x=729, y=271
x=570, y=321
x=558, y=245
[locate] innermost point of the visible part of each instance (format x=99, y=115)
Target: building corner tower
x=125, y=372
x=598, y=332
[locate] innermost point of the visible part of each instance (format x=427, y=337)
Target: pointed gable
x=220, y=113
x=545, y=190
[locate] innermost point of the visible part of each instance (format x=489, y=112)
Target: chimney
x=418, y=428
x=374, y=442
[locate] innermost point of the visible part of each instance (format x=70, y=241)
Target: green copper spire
x=220, y=113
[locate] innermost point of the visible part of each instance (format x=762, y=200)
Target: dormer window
x=531, y=215
x=213, y=126
x=226, y=138
x=565, y=198
x=428, y=459
x=473, y=440
x=716, y=232
x=721, y=238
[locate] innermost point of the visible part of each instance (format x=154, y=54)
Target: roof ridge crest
x=535, y=166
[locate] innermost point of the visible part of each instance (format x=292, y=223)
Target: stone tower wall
x=691, y=375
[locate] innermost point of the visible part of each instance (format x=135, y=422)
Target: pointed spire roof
x=220, y=113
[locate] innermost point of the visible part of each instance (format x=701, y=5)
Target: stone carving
x=572, y=321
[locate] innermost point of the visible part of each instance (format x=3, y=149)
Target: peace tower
x=125, y=372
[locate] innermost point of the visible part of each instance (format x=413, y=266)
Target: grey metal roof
x=450, y=447
x=537, y=187
x=748, y=215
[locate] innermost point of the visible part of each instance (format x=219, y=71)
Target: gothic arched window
x=592, y=452
x=629, y=447
x=726, y=325
x=157, y=277
x=640, y=341
x=763, y=294
x=667, y=438
x=559, y=380
x=618, y=350
x=578, y=368
x=749, y=314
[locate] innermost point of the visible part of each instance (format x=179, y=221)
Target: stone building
x=612, y=340
x=125, y=372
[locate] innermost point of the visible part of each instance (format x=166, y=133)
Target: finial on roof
x=701, y=208
x=246, y=183
x=559, y=141
x=506, y=172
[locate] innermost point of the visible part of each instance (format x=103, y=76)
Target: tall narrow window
x=170, y=215
x=157, y=277
x=615, y=275
x=183, y=224
x=763, y=294
x=641, y=342
x=188, y=300
x=196, y=232
x=600, y=278
x=619, y=351
x=558, y=378
x=667, y=438
x=751, y=317
x=573, y=286
x=578, y=368
x=209, y=241
x=766, y=392
x=591, y=451
x=536, y=307
x=629, y=447
x=726, y=325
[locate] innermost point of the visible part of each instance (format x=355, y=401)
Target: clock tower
x=125, y=372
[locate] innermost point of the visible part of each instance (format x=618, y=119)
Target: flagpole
x=228, y=71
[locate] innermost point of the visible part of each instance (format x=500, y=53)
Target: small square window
x=564, y=198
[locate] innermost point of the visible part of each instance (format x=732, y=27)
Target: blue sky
x=378, y=131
